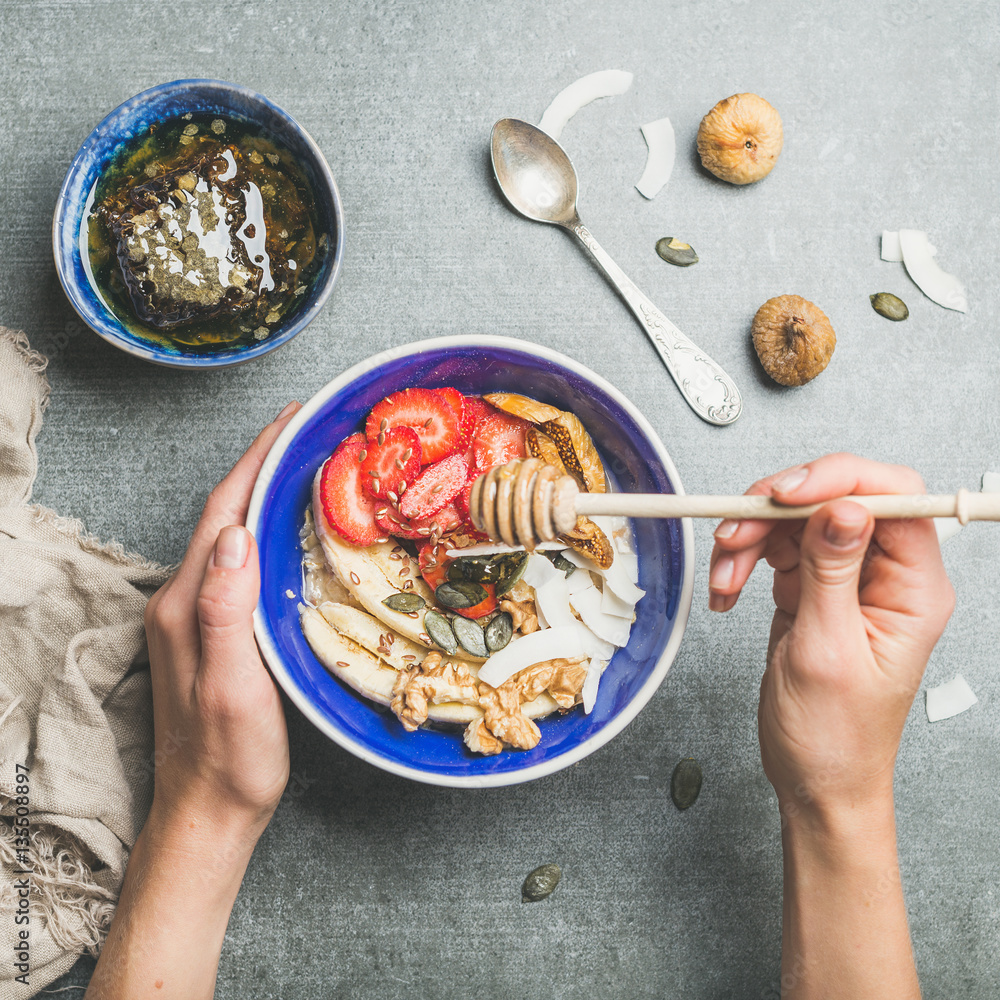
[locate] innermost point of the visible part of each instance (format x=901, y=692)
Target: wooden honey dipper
x=527, y=501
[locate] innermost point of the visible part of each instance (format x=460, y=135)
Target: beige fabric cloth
x=74, y=702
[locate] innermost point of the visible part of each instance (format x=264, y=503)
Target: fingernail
x=716, y=602
x=790, y=480
x=232, y=547
x=290, y=408
x=846, y=528
x=726, y=529
x=722, y=574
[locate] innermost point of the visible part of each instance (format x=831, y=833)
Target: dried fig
x=523, y=407
x=793, y=338
x=740, y=138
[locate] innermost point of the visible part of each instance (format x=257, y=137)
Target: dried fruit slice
x=577, y=451
x=540, y=445
x=523, y=406
x=434, y=488
x=387, y=468
x=498, y=439
x=346, y=503
x=588, y=539
x=426, y=411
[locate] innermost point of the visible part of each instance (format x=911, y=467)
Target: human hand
x=221, y=741
x=221, y=757
x=860, y=605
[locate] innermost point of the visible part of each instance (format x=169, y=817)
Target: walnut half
x=433, y=681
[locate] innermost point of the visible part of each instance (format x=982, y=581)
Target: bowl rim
x=154, y=354
x=274, y=661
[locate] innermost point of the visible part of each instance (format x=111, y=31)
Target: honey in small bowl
x=202, y=234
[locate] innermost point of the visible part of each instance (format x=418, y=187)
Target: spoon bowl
x=534, y=172
x=537, y=178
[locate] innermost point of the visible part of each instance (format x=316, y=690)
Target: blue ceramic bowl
x=170, y=100
x=474, y=365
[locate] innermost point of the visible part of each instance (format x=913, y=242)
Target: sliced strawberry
x=463, y=495
x=498, y=439
x=393, y=523
x=433, y=569
x=454, y=399
x=483, y=607
x=389, y=467
x=434, y=488
x=418, y=529
x=445, y=520
x=426, y=411
x=479, y=408
x=434, y=565
x=476, y=409
x=348, y=508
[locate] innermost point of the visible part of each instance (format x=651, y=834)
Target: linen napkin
x=76, y=731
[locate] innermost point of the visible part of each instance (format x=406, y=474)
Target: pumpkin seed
x=675, y=252
x=478, y=569
x=890, y=306
x=685, y=783
x=512, y=569
x=460, y=595
x=404, y=602
x=440, y=631
x=470, y=636
x=540, y=883
x=499, y=631
x=560, y=562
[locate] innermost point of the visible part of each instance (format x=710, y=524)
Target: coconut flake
x=612, y=604
x=604, y=83
x=578, y=581
x=498, y=549
x=948, y=699
x=540, y=571
x=948, y=527
x=548, y=644
x=607, y=627
x=661, y=150
x=891, y=250
x=616, y=577
x=939, y=286
x=553, y=600
x=588, y=693
x=890, y=247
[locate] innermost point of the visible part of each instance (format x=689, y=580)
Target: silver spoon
x=538, y=179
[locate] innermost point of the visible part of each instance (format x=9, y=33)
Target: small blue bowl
x=474, y=365
x=170, y=100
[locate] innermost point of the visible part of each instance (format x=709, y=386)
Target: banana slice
x=371, y=634
x=370, y=576
x=365, y=672
x=369, y=675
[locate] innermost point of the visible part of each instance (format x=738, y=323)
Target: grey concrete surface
x=364, y=884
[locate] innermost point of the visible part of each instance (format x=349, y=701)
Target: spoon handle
x=709, y=391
